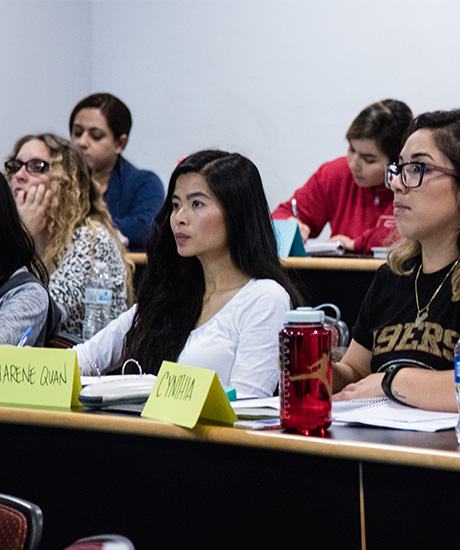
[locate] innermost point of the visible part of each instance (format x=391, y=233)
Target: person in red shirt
x=349, y=192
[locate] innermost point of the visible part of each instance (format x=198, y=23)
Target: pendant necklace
x=422, y=314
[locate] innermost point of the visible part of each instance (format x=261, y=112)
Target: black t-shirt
x=386, y=321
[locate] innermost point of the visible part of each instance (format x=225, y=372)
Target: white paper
x=393, y=415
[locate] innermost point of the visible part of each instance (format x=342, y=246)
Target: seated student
x=24, y=305
x=349, y=192
x=100, y=126
x=63, y=209
x=214, y=294
x=409, y=321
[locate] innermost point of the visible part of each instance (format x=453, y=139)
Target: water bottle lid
x=304, y=315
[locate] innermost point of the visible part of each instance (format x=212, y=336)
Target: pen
x=24, y=337
x=294, y=207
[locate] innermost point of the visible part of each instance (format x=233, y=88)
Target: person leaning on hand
x=349, y=192
x=62, y=207
x=409, y=321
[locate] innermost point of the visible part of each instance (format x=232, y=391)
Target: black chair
x=21, y=524
x=100, y=542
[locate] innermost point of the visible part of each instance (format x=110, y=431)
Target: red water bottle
x=306, y=372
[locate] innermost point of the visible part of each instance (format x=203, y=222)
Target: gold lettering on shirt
x=449, y=341
x=389, y=336
x=408, y=340
x=431, y=336
x=428, y=337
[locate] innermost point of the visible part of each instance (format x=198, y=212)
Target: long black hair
x=171, y=293
x=17, y=247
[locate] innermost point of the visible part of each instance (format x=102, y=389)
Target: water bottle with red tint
x=306, y=372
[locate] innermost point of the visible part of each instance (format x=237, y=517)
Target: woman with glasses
x=349, y=192
x=409, y=322
x=100, y=126
x=63, y=209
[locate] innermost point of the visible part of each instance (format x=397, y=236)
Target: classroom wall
x=277, y=80
x=45, y=59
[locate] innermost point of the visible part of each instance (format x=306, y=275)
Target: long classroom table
x=165, y=486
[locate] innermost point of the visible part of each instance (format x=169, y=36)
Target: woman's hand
x=33, y=208
x=370, y=386
x=347, y=242
x=304, y=229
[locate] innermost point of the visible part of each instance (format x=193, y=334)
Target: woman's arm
x=23, y=307
x=103, y=352
x=425, y=389
x=355, y=365
x=422, y=388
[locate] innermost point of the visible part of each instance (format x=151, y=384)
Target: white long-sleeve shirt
x=240, y=342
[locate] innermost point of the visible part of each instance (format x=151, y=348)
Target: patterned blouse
x=68, y=282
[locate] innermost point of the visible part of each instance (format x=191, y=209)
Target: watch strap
x=390, y=373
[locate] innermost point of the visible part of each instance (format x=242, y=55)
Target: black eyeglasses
x=412, y=173
x=33, y=166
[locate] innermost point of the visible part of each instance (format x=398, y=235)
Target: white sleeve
x=255, y=370
x=104, y=350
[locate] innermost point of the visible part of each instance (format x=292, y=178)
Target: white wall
x=45, y=58
x=278, y=80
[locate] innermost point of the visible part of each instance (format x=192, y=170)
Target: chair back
x=21, y=524
x=102, y=542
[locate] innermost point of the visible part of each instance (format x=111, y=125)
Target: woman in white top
x=214, y=294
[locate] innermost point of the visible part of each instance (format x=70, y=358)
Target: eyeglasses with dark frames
x=412, y=173
x=33, y=166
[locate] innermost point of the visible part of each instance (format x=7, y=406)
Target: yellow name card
x=39, y=376
x=182, y=395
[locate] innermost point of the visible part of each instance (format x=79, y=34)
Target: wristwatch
x=390, y=372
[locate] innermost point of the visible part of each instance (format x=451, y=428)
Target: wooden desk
x=213, y=487
x=330, y=264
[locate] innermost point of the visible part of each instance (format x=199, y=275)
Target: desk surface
x=438, y=450
x=324, y=263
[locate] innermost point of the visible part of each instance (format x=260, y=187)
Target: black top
x=386, y=321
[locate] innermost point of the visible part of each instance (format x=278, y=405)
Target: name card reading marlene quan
x=42, y=377
x=182, y=395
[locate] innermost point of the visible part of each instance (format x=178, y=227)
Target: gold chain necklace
x=422, y=314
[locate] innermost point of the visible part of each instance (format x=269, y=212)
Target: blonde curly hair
x=76, y=201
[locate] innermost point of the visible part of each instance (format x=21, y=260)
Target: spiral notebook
x=381, y=411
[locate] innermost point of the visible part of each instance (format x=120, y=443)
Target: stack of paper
x=385, y=413
x=324, y=248
x=379, y=411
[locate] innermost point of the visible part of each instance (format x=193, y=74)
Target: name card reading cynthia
x=182, y=395
x=39, y=377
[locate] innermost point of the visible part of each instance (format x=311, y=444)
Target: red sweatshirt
x=364, y=214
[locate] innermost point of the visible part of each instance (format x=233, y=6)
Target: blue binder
x=288, y=238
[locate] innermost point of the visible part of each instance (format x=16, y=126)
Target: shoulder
x=30, y=290
x=87, y=234
x=334, y=171
x=132, y=174
x=265, y=291
x=91, y=241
